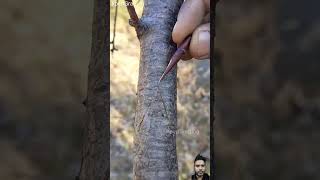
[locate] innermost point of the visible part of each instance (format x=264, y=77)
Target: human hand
x=193, y=18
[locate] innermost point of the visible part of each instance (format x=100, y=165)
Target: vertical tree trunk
x=95, y=152
x=156, y=114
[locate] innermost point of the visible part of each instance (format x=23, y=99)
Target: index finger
x=190, y=16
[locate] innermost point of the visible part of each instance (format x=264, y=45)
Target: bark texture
x=95, y=152
x=155, y=123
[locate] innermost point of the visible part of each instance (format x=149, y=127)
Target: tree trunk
x=156, y=114
x=95, y=152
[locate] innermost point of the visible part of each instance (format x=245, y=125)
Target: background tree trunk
x=95, y=152
x=156, y=114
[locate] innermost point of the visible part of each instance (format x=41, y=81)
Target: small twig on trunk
x=134, y=21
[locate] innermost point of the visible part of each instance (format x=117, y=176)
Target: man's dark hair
x=199, y=157
x=205, y=175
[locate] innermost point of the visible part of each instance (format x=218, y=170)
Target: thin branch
x=134, y=19
x=114, y=30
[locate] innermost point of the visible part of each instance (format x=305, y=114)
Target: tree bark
x=95, y=152
x=156, y=114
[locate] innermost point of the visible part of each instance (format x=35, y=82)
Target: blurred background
x=44, y=57
x=267, y=91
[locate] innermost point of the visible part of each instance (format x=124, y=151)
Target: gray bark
x=95, y=152
x=155, y=123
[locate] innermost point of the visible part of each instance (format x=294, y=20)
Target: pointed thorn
x=162, y=76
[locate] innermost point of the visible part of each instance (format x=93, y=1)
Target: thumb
x=200, y=43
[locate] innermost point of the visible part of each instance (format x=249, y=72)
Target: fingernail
x=203, y=43
x=204, y=57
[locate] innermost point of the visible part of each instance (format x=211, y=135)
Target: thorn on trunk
x=84, y=102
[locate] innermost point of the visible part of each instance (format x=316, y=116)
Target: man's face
x=199, y=167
